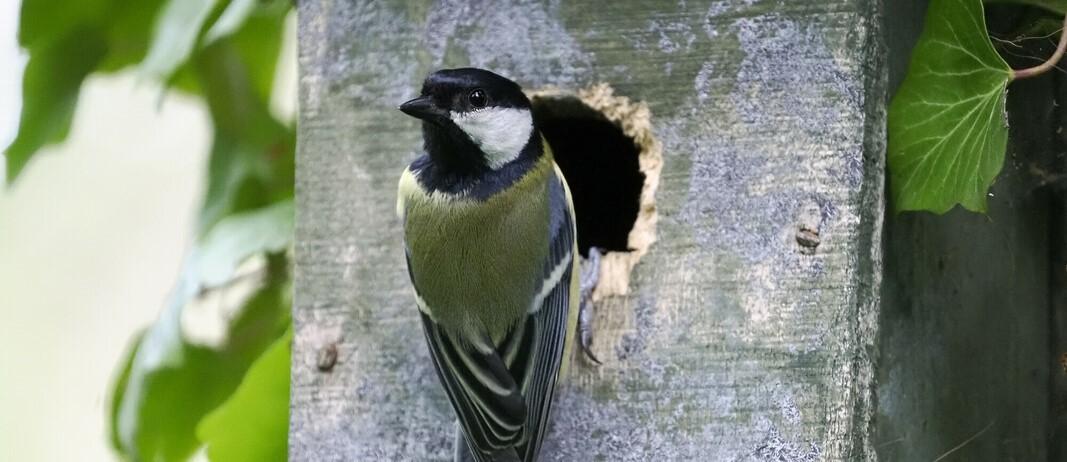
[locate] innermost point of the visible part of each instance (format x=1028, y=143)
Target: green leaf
x=125, y=23
x=253, y=424
x=67, y=40
x=232, y=18
x=176, y=32
x=244, y=174
x=50, y=87
x=947, y=130
x=44, y=20
x=129, y=31
x=171, y=383
x=259, y=41
x=240, y=236
x=119, y=389
x=255, y=33
x=252, y=160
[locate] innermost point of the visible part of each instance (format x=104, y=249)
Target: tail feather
x=462, y=452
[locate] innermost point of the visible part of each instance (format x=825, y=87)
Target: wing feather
x=544, y=353
x=480, y=385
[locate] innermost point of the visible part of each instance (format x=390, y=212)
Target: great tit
x=489, y=234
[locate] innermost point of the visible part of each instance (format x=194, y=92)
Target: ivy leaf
x=947, y=127
x=170, y=384
x=253, y=425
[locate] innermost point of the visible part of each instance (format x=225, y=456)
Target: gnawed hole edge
x=635, y=121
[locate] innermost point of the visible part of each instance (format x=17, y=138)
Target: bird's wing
x=486, y=397
x=534, y=353
x=503, y=394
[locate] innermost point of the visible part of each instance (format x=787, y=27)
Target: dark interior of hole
x=601, y=167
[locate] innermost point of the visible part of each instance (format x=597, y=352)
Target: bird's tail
x=462, y=452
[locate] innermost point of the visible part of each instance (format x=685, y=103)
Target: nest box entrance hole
x=601, y=167
x=604, y=147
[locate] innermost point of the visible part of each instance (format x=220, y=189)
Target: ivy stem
x=1047, y=65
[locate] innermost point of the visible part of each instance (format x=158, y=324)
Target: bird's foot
x=590, y=272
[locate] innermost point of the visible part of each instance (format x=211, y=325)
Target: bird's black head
x=473, y=119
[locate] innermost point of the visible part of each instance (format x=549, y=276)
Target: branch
x=1047, y=65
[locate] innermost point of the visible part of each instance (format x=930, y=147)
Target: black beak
x=424, y=108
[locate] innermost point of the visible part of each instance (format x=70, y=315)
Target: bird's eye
x=477, y=98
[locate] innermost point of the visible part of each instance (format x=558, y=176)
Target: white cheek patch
x=501, y=133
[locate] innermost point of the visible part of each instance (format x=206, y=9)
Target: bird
x=489, y=238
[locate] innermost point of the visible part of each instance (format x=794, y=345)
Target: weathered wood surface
x=733, y=344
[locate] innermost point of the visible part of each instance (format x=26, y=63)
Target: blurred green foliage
x=225, y=52
x=245, y=427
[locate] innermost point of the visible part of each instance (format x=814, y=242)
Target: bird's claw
x=590, y=273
